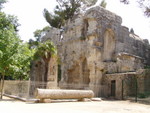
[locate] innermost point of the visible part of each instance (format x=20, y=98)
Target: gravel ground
x=8, y=105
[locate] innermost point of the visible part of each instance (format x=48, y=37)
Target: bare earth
x=12, y=106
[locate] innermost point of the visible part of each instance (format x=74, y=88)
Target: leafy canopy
x=38, y=34
x=45, y=50
x=14, y=54
x=1, y=3
x=21, y=66
x=9, y=42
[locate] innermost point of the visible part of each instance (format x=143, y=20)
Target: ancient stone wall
x=133, y=44
x=124, y=85
x=42, y=79
x=93, y=44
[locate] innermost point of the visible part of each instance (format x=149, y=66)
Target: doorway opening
x=113, y=88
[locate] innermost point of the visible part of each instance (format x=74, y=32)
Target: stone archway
x=79, y=73
x=74, y=74
x=109, y=45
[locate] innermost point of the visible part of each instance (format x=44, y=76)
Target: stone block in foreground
x=63, y=94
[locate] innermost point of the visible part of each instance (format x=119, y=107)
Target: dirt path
x=73, y=107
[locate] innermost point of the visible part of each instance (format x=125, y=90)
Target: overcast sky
x=30, y=15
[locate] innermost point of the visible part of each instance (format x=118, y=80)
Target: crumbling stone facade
x=93, y=45
x=41, y=77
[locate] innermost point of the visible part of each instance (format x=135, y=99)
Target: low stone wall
x=17, y=88
x=25, y=89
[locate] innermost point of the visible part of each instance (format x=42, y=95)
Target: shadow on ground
x=8, y=99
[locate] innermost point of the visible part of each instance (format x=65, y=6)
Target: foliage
x=32, y=43
x=9, y=42
x=14, y=21
x=9, y=20
x=132, y=31
x=103, y=4
x=42, y=51
x=21, y=66
x=125, y=1
x=64, y=10
x=1, y=3
x=15, y=56
x=38, y=34
x=145, y=5
x=45, y=50
x=89, y=3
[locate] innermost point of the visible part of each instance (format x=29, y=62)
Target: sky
x=30, y=15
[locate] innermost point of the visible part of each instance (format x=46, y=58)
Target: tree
x=44, y=52
x=125, y=1
x=21, y=66
x=10, y=48
x=14, y=21
x=132, y=31
x=89, y=3
x=64, y=10
x=145, y=5
x=38, y=34
x=103, y=4
x=1, y=3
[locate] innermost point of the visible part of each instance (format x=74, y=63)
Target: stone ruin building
x=96, y=52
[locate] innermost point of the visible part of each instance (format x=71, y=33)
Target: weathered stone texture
x=63, y=94
x=93, y=44
x=42, y=79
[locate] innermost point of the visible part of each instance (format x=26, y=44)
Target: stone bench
x=63, y=94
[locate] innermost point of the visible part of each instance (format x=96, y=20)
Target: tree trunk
x=2, y=87
x=46, y=71
x=46, y=61
x=0, y=84
x=0, y=81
